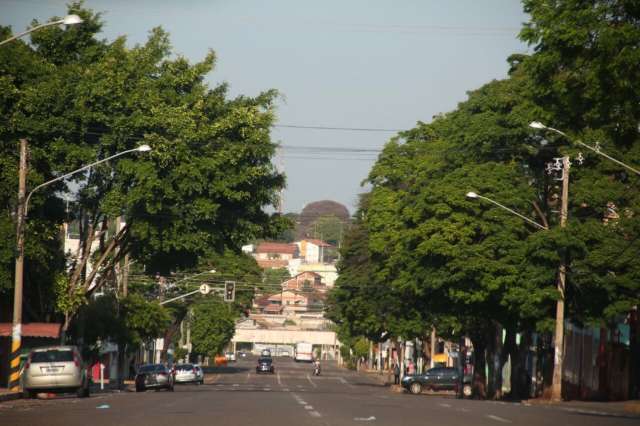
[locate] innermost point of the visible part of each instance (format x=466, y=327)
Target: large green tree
x=202, y=188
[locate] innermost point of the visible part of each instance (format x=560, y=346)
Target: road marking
x=299, y=386
x=235, y=385
x=308, y=407
x=248, y=378
x=266, y=389
x=286, y=389
x=365, y=419
x=445, y=405
x=498, y=419
x=311, y=381
x=464, y=410
x=315, y=414
x=279, y=382
x=343, y=381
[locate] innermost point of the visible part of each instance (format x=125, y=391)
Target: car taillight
x=163, y=373
x=75, y=360
x=195, y=371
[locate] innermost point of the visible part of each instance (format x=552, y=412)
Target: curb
x=10, y=396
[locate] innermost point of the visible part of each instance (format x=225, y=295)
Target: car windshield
x=264, y=361
x=149, y=368
x=52, y=355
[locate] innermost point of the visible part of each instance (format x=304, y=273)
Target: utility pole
x=558, y=359
x=16, y=335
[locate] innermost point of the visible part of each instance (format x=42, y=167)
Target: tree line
x=186, y=205
x=421, y=255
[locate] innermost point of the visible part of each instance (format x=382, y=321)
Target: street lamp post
x=556, y=385
x=474, y=195
x=67, y=20
x=23, y=204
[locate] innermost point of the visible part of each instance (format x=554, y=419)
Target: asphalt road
x=236, y=395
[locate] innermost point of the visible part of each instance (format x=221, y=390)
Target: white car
x=189, y=373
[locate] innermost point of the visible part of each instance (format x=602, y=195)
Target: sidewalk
x=7, y=395
x=617, y=408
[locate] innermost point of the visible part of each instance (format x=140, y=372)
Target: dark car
x=154, y=376
x=265, y=365
x=439, y=378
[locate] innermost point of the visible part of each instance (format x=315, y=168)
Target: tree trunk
x=479, y=366
x=494, y=352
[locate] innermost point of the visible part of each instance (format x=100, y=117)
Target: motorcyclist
x=316, y=367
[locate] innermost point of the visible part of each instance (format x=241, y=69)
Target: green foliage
x=79, y=98
x=212, y=326
x=143, y=319
x=67, y=299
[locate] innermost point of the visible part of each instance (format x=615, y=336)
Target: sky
x=375, y=65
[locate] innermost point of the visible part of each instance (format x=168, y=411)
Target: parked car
x=242, y=354
x=189, y=373
x=55, y=369
x=266, y=353
x=265, y=365
x=231, y=357
x=154, y=376
x=439, y=378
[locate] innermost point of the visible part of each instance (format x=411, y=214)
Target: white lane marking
x=286, y=389
x=235, y=385
x=311, y=381
x=315, y=414
x=445, y=405
x=498, y=419
x=248, y=378
x=365, y=419
x=464, y=410
x=279, y=382
x=308, y=407
x=266, y=389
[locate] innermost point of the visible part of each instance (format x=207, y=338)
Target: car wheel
x=467, y=390
x=202, y=382
x=415, y=388
x=27, y=394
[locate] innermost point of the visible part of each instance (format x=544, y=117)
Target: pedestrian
x=396, y=374
x=411, y=368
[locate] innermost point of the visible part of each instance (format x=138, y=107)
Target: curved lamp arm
x=67, y=20
x=533, y=222
x=141, y=148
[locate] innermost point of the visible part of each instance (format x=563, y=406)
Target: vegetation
x=421, y=255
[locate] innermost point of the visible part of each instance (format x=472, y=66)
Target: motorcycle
x=316, y=370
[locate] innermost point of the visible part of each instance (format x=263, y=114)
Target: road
x=236, y=395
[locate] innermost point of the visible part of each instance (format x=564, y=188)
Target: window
x=52, y=356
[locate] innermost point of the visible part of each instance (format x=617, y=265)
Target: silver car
x=55, y=369
x=154, y=376
x=189, y=373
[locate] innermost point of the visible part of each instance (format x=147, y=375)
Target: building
x=312, y=250
x=305, y=282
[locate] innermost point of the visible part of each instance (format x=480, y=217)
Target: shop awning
x=33, y=329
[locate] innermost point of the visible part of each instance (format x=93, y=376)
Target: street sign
x=205, y=289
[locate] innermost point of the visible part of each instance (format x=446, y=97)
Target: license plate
x=51, y=369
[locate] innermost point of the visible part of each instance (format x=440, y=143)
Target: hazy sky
x=369, y=64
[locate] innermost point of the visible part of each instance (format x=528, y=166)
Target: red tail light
x=195, y=371
x=75, y=360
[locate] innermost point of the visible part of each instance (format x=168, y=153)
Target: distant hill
x=320, y=212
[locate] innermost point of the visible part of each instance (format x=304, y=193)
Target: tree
x=212, y=326
x=202, y=188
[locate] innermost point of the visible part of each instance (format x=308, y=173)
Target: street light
x=474, y=196
x=16, y=334
x=141, y=148
x=596, y=149
x=67, y=20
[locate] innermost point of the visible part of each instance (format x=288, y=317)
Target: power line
x=348, y=129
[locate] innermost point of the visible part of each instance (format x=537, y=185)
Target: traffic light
x=229, y=291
